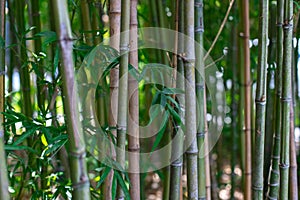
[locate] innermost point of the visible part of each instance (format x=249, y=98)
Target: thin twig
x=220, y=29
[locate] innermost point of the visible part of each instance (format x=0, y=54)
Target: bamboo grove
x=149, y=99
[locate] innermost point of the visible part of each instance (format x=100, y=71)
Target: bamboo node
x=133, y=149
x=198, y=4
x=121, y=128
x=80, y=184
x=274, y=184
x=271, y=198
x=284, y=166
x=261, y=101
x=199, y=86
x=202, y=198
x=201, y=134
x=287, y=26
x=199, y=29
x=176, y=163
x=78, y=155
x=124, y=47
x=257, y=188
x=286, y=99
x=192, y=152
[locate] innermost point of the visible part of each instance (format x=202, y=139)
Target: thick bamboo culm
x=4, y=194
x=190, y=101
x=273, y=183
x=286, y=99
x=79, y=176
x=133, y=113
x=260, y=103
x=123, y=89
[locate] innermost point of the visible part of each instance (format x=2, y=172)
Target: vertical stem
x=190, y=102
x=177, y=148
x=260, y=102
x=4, y=194
x=293, y=194
x=86, y=22
x=123, y=86
x=114, y=17
x=77, y=153
x=24, y=71
x=38, y=48
x=247, y=85
x=274, y=171
x=270, y=115
x=200, y=85
x=286, y=99
x=133, y=114
x=234, y=103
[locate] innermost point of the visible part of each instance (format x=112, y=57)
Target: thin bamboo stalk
x=86, y=22
x=114, y=17
x=200, y=85
x=270, y=115
x=190, y=101
x=233, y=60
x=177, y=148
x=286, y=99
x=24, y=70
x=4, y=183
x=38, y=48
x=247, y=94
x=274, y=171
x=260, y=102
x=293, y=178
x=133, y=114
x=77, y=153
x=123, y=89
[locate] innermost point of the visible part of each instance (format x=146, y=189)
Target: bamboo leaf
x=161, y=132
x=122, y=184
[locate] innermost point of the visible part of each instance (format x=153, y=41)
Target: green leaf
x=25, y=135
x=17, y=148
x=103, y=176
x=114, y=188
x=172, y=91
x=122, y=184
x=161, y=132
x=174, y=114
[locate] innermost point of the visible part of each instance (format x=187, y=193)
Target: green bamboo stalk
x=77, y=153
x=200, y=85
x=38, y=48
x=190, y=101
x=133, y=114
x=123, y=86
x=4, y=183
x=114, y=18
x=177, y=148
x=86, y=22
x=274, y=171
x=233, y=60
x=247, y=96
x=24, y=70
x=260, y=102
x=286, y=99
x=270, y=117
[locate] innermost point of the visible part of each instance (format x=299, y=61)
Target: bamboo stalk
x=234, y=104
x=86, y=22
x=200, y=89
x=123, y=86
x=38, y=48
x=77, y=154
x=114, y=17
x=133, y=114
x=4, y=183
x=293, y=178
x=24, y=70
x=190, y=101
x=247, y=94
x=270, y=115
x=177, y=148
x=274, y=171
x=286, y=99
x=260, y=102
